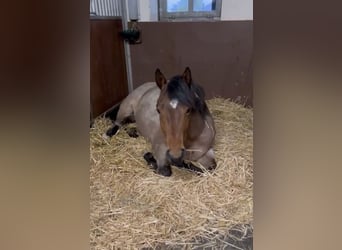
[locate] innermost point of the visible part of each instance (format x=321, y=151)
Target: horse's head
x=175, y=105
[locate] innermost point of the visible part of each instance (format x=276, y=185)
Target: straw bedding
x=132, y=208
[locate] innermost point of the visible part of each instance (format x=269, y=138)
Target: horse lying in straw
x=174, y=117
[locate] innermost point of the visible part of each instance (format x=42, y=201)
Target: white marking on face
x=174, y=103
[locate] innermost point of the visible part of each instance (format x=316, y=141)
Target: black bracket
x=132, y=34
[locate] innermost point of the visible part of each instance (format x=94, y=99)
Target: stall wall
x=218, y=53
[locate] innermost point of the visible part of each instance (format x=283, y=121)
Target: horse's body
x=170, y=144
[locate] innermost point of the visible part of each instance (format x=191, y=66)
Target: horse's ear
x=187, y=76
x=160, y=78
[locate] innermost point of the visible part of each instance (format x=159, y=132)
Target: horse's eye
x=188, y=111
x=158, y=110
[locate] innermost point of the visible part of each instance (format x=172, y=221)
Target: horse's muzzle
x=175, y=160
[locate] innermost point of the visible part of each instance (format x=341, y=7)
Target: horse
x=173, y=116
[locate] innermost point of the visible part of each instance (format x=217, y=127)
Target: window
x=189, y=9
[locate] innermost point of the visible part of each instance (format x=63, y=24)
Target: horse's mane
x=192, y=97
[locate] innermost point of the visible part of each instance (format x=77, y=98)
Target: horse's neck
x=196, y=126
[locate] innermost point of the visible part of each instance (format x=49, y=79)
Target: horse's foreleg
x=165, y=169
x=208, y=160
x=190, y=166
x=132, y=132
x=158, y=160
x=162, y=169
x=151, y=161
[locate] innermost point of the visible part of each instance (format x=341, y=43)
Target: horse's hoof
x=150, y=160
x=192, y=168
x=132, y=132
x=212, y=167
x=149, y=157
x=165, y=171
x=112, y=131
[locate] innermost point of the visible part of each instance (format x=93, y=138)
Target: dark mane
x=192, y=97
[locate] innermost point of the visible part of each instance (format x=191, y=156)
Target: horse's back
x=134, y=97
x=147, y=117
x=129, y=105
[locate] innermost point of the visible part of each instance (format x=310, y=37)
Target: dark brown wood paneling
x=218, y=53
x=108, y=80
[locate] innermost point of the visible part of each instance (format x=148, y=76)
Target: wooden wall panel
x=108, y=80
x=218, y=53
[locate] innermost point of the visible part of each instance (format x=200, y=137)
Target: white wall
x=231, y=10
x=237, y=10
x=148, y=10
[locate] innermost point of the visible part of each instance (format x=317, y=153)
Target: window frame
x=190, y=15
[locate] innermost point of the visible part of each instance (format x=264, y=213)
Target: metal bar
x=127, y=50
x=190, y=5
x=120, y=8
x=112, y=9
x=97, y=7
x=107, y=7
x=100, y=8
x=116, y=7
